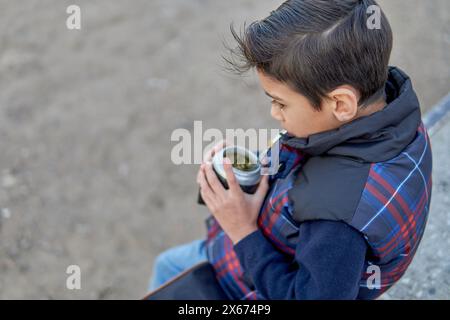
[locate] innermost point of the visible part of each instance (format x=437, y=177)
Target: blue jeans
x=172, y=262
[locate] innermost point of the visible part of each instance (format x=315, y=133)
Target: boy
x=344, y=217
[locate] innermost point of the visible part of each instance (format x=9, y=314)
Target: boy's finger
x=213, y=181
x=222, y=144
x=210, y=154
x=205, y=188
x=200, y=171
x=263, y=186
x=264, y=161
x=231, y=178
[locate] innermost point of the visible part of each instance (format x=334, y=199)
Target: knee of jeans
x=162, y=262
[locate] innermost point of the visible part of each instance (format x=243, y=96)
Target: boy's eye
x=279, y=105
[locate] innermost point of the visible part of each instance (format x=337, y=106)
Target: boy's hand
x=235, y=211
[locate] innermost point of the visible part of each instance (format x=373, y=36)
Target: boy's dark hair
x=315, y=46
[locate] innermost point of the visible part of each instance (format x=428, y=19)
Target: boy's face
x=298, y=117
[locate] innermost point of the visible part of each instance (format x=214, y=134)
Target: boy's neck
x=371, y=109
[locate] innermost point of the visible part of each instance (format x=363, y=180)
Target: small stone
x=82, y=228
x=406, y=280
x=25, y=153
x=157, y=83
x=8, y=180
x=6, y=213
x=386, y=296
x=432, y=291
x=24, y=244
x=123, y=170
x=447, y=269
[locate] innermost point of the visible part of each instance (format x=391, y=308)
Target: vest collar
x=375, y=138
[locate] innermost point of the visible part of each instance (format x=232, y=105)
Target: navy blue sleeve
x=328, y=264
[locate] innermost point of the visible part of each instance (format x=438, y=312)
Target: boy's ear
x=344, y=103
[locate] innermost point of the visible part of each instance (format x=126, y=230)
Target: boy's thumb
x=263, y=186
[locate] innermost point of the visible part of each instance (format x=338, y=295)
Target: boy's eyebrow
x=272, y=96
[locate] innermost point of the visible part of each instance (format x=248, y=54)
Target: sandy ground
x=85, y=124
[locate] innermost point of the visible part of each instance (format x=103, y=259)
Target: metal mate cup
x=246, y=168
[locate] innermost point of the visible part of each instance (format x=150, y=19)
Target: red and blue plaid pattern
x=392, y=214
x=393, y=211
x=274, y=221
